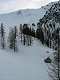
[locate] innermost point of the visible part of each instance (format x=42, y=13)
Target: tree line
x=13, y=36
x=26, y=33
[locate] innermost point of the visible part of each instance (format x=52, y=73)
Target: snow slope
x=24, y=16
x=27, y=64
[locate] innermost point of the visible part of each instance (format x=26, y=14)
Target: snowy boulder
x=48, y=60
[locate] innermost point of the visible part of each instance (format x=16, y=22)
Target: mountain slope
x=24, y=16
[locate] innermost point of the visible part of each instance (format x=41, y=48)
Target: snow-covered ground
x=27, y=64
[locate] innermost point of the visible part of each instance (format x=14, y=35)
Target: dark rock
x=48, y=60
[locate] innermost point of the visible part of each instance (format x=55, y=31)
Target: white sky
x=10, y=5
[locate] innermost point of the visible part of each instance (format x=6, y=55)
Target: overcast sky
x=10, y=5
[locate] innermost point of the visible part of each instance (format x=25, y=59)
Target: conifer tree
x=2, y=36
x=21, y=33
x=15, y=41
x=24, y=40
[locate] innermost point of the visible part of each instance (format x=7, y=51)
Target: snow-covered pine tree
x=12, y=39
x=15, y=40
